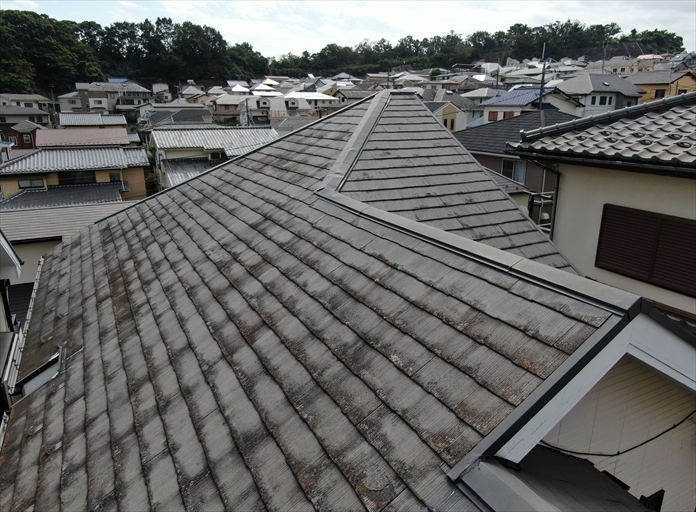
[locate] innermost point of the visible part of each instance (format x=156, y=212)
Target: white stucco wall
x=583, y=192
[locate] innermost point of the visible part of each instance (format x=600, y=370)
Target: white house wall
x=30, y=254
x=629, y=405
x=583, y=192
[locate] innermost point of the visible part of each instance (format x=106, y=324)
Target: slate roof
x=655, y=77
x=589, y=83
x=75, y=159
x=517, y=98
x=434, y=106
x=352, y=93
x=82, y=137
x=463, y=104
x=178, y=171
x=437, y=182
x=56, y=221
x=254, y=339
x=63, y=195
x=493, y=137
x=236, y=139
x=655, y=136
x=91, y=119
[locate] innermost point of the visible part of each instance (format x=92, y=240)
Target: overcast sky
x=278, y=27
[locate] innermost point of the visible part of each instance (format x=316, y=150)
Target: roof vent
x=638, y=134
x=645, y=142
x=684, y=144
x=612, y=139
x=605, y=83
x=606, y=133
x=674, y=136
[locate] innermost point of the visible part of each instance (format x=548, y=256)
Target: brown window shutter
x=654, y=248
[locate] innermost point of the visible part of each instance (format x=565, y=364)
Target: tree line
x=43, y=54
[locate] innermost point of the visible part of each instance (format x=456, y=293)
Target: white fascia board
x=642, y=338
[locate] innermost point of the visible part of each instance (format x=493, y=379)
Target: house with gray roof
x=25, y=100
x=662, y=84
x=345, y=318
x=599, y=93
x=488, y=143
x=70, y=120
x=11, y=115
x=23, y=134
x=45, y=168
x=213, y=143
x=515, y=101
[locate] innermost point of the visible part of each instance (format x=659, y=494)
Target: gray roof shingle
x=588, y=83
x=493, y=137
x=91, y=119
x=517, y=98
x=178, y=171
x=250, y=340
x=656, y=77
x=658, y=135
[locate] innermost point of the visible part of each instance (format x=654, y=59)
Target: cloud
x=21, y=5
x=131, y=5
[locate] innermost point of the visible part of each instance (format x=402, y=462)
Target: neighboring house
x=120, y=97
x=598, y=93
x=187, y=116
x=44, y=168
x=295, y=329
x=117, y=136
x=621, y=65
x=176, y=172
x=75, y=120
x=478, y=96
x=25, y=100
x=661, y=84
x=161, y=92
x=448, y=114
x=470, y=108
x=347, y=96
x=487, y=143
x=24, y=134
x=70, y=102
x=11, y=115
x=514, y=102
x=627, y=176
x=196, y=142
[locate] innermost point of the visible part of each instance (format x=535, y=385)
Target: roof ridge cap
x=640, y=109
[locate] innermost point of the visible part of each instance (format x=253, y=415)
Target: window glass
x=602, y=100
x=594, y=100
x=30, y=183
x=27, y=138
x=515, y=170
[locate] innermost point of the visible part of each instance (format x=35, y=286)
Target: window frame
x=29, y=183
x=517, y=170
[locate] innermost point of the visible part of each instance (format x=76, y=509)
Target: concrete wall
x=630, y=405
x=583, y=192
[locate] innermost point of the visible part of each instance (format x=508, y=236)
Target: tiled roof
x=517, y=98
x=437, y=182
x=82, y=137
x=238, y=139
x=24, y=97
x=181, y=116
x=134, y=137
x=434, y=106
x=62, y=221
x=588, y=83
x=659, y=134
x=91, y=119
x=656, y=77
x=493, y=137
x=293, y=123
x=117, y=87
x=75, y=159
x=63, y=195
x=178, y=171
x=253, y=339
x=508, y=185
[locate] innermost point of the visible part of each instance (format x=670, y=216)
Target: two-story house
x=25, y=100
x=661, y=84
x=599, y=93
x=513, y=102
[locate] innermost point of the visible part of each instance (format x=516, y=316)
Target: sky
x=275, y=28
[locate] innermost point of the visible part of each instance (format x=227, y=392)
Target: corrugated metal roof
x=63, y=195
x=178, y=171
x=236, y=140
x=75, y=159
x=92, y=119
x=57, y=221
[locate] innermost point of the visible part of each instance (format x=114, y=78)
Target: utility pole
x=541, y=87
